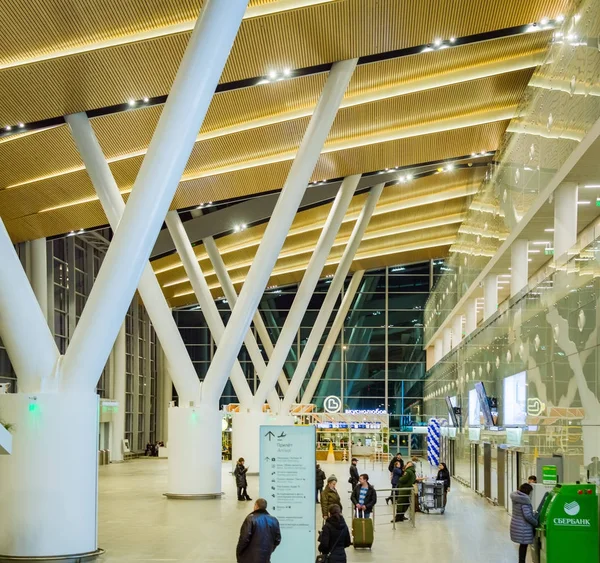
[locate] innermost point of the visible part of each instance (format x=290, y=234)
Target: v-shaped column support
x=153, y=190
x=278, y=227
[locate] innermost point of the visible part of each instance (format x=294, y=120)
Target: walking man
x=353, y=480
x=259, y=535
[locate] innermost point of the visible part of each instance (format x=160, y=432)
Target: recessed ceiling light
x=591, y=186
x=560, y=18
x=437, y=42
x=583, y=202
x=146, y=99
x=548, y=230
x=287, y=72
x=8, y=128
x=21, y=125
x=131, y=102
x=272, y=75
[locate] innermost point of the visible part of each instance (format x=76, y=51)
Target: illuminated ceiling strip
x=397, y=205
x=414, y=86
x=392, y=231
x=470, y=120
x=555, y=132
x=365, y=256
x=251, y=12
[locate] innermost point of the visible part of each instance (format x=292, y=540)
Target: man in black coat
x=259, y=535
x=353, y=480
x=320, y=474
x=364, y=496
x=393, y=461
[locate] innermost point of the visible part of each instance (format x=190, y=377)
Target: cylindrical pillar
x=168, y=153
x=245, y=437
x=519, y=266
x=446, y=340
x=278, y=227
x=118, y=423
x=165, y=398
x=438, y=350
x=565, y=218
x=490, y=295
x=39, y=274
x=48, y=486
x=22, y=325
x=471, y=316
x=194, y=452
x=456, y=330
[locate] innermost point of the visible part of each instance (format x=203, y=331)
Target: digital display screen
x=515, y=400
x=451, y=402
x=489, y=418
x=474, y=409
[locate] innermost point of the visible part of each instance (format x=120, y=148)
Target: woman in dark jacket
x=524, y=521
x=444, y=475
x=240, y=480
x=335, y=536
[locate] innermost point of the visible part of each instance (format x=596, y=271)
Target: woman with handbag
x=334, y=538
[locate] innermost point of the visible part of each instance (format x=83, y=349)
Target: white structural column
x=278, y=227
x=565, y=218
x=490, y=295
x=23, y=327
x=332, y=337
x=337, y=283
x=153, y=190
x=185, y=377
x=307, y=285
x=519, y=266
x=39, y=277
x=206, y=301
x=254, y=352
x=118, y=394
x=470, y=316
x=446, y=340
x=456, y=330
x=165, y=398
x=438, y=350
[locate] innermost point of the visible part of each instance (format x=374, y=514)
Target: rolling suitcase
x=362, y=532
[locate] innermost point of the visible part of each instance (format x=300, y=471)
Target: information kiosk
x=568, y=529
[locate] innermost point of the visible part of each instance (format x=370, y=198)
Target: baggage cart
x=432, y=496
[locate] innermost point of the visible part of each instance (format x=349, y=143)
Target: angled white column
x=334, y=332
x=153, y=190
x=446, y=340
x=307, y=287
x=565, y=218
x=206, y=301
x=165, y=397
x=490, y=295
x=438, y=350
x=23, y=326
x=118, y=394
x=185, y=377
x=471, y=316
x=519, y=266
x=279, y=225
x=456, y=330
x=39, y=277
x=337, y=283
x=254, y=352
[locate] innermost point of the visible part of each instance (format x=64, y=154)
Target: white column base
x=194, y=452
x=245, y=438
x=48, y=486
x=591, y=442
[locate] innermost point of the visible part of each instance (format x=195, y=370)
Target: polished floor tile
x=137, y=523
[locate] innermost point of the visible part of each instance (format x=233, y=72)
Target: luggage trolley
x=431, y=496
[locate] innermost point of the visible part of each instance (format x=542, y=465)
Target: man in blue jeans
x=364, y=496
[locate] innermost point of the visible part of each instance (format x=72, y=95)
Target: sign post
x=287, y=482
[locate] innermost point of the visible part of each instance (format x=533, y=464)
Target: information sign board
x=287, y=482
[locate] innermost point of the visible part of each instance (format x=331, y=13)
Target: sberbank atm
x=568, y=529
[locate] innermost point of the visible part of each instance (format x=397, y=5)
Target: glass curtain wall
x=378, y=361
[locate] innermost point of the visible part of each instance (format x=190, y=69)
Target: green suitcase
x=362, y=533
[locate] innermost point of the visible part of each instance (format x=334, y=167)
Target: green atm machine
x=568, y=529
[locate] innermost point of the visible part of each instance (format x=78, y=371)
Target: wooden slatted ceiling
x=295, y=39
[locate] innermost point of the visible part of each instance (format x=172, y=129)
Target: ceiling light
x=244, y=226
x=236, y=229
x=541, y=242
x=548, y=230
x=449, y=167
x=287, y=72
x=560, y=18
x=427, y=49
x=452, y=39
x=272, y=75
x=583, y=202
x=437, y=42
x=533, y=251
x=146, y=99
x=409, y=176
x=21, y=125
x=8, y=127
x=544, y=21
x=131, y=102
x=591, y=186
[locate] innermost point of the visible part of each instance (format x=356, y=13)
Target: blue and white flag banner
x=433, y=442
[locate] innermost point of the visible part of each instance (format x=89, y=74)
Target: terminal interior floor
x=136, y=523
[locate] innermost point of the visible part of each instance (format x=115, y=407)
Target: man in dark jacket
x=398, y=457
x=320, y=481
x=408, y=479
x=364, y=496
x=353, y=480
x=259, y=535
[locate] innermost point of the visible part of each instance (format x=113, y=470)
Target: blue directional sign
x=287, y=482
